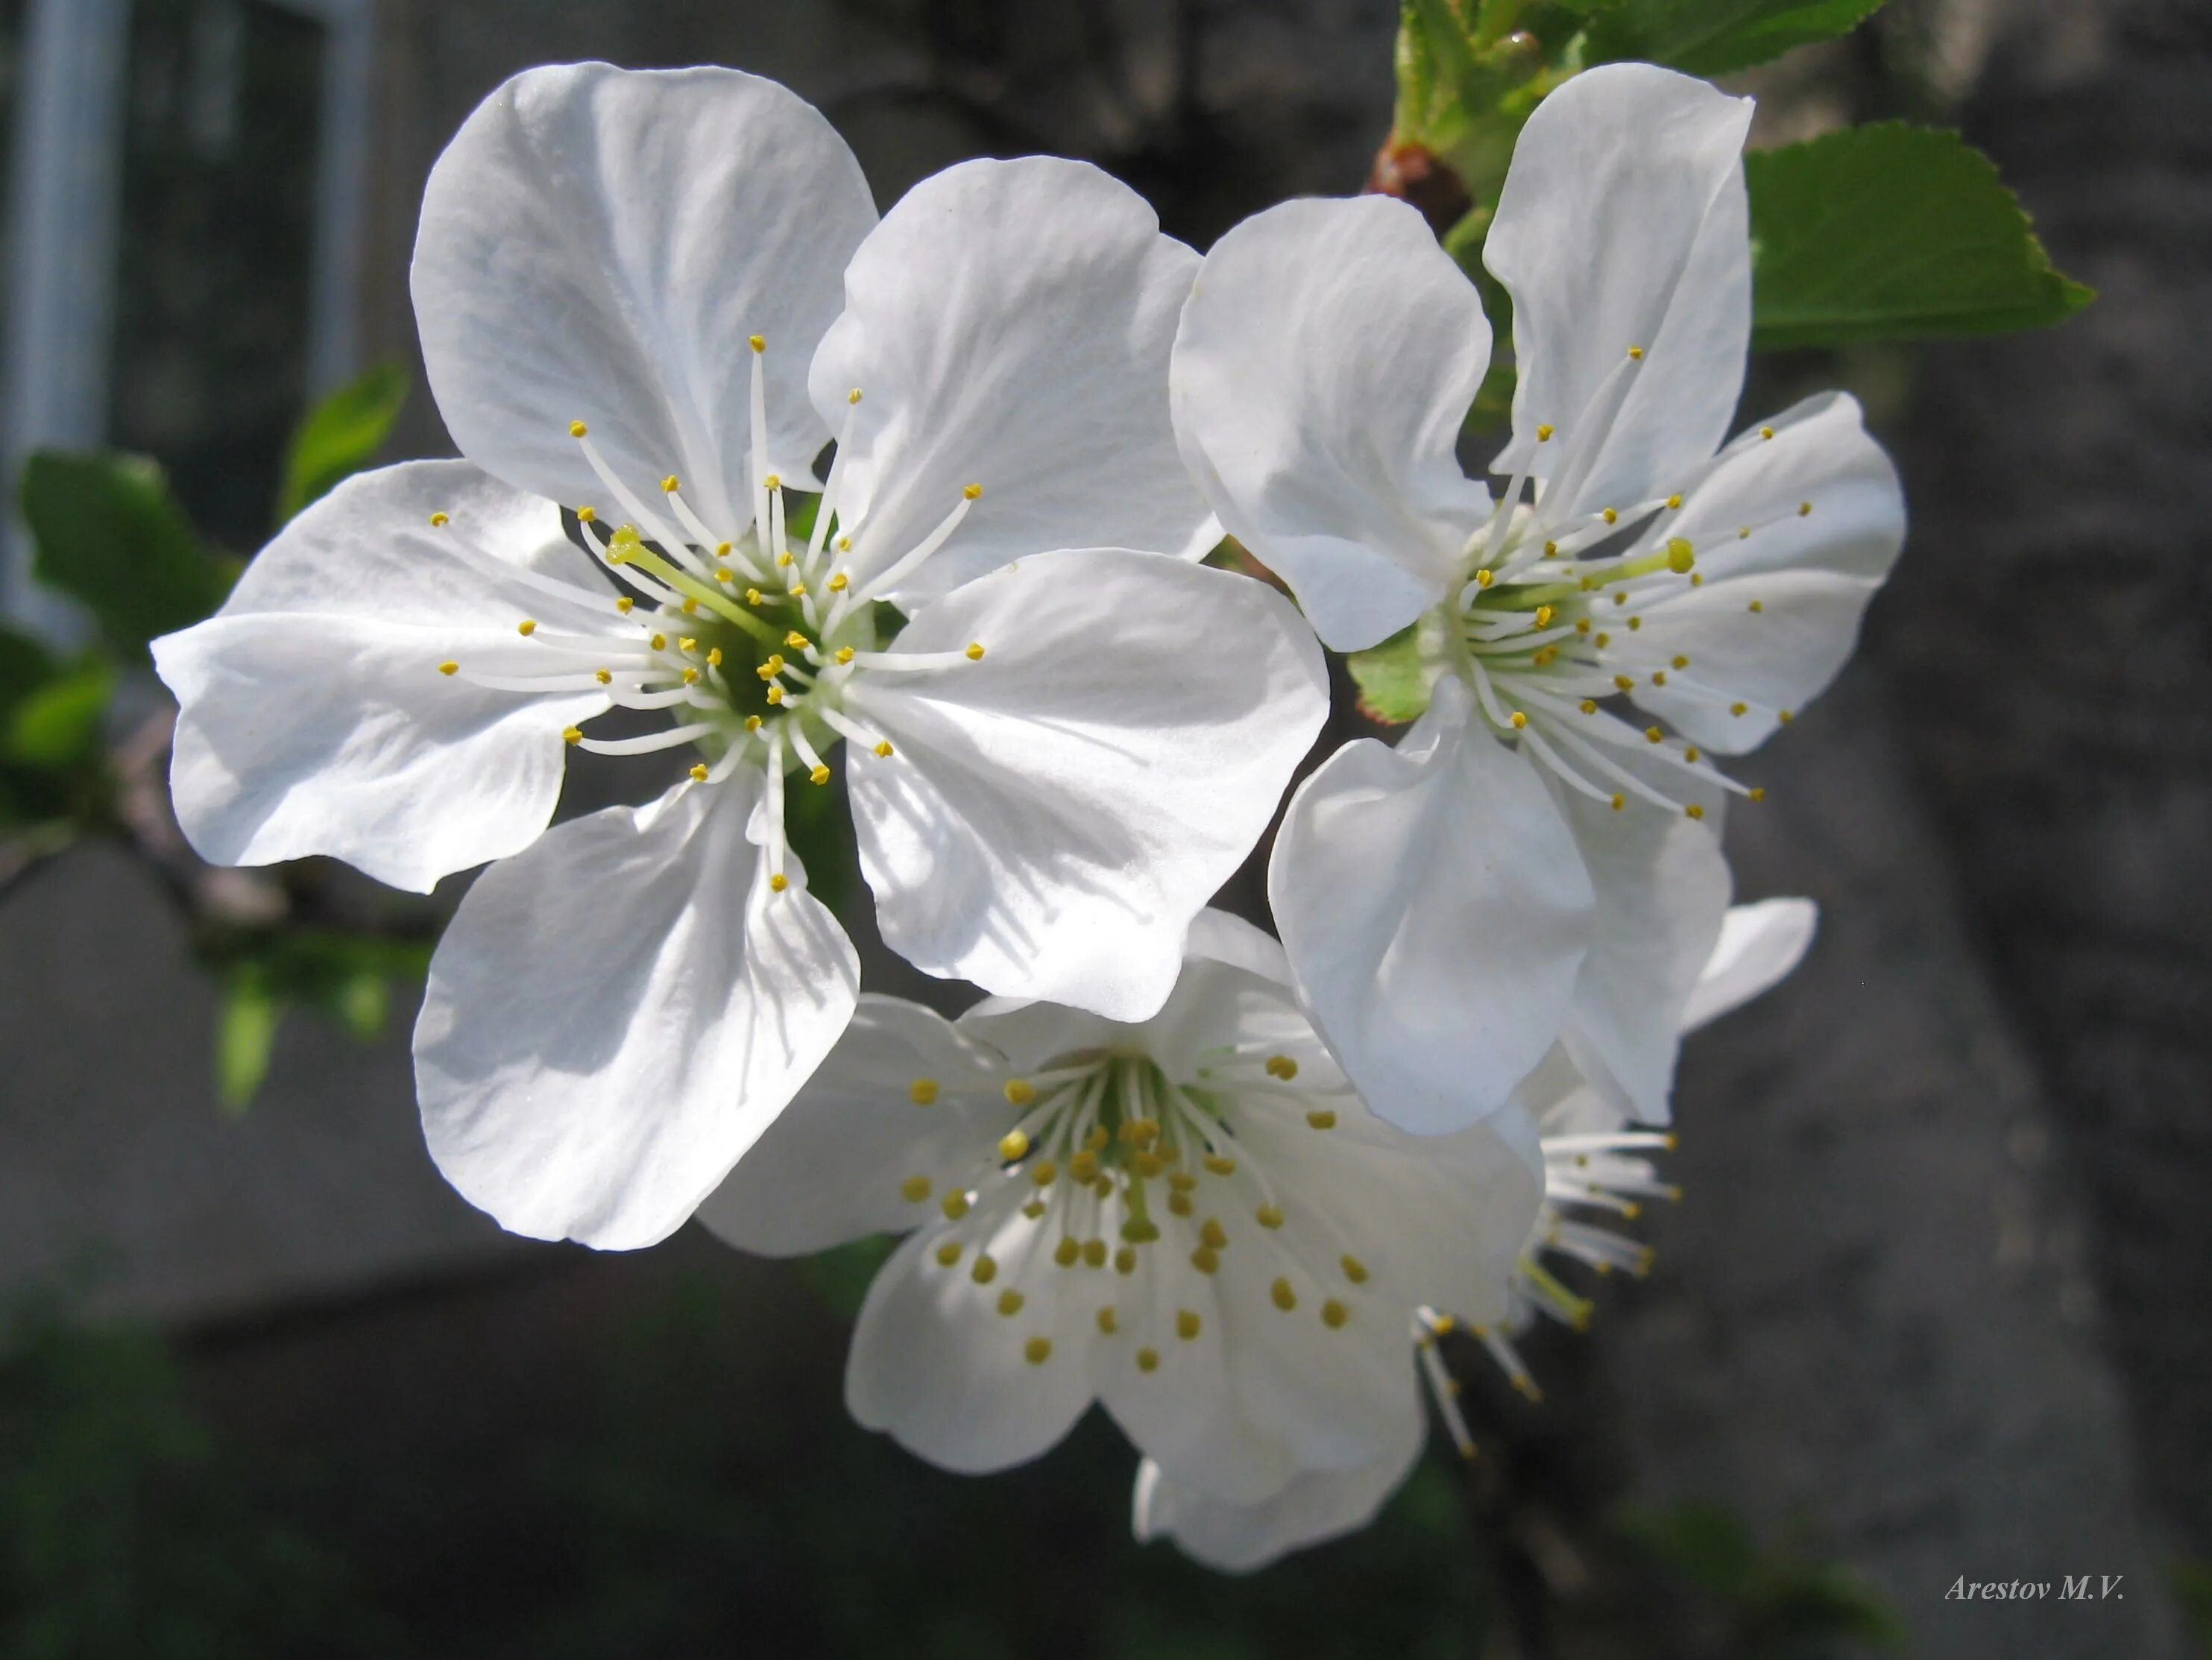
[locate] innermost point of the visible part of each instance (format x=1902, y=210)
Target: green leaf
x=1893, y=232
x=24, y=665
x=245, y=1036
x=340, y=435
x=112, y=536
x=2192, y=1583
x=841, y=1275
x=1394, y=677
x=1718, y=37
x=59, y=723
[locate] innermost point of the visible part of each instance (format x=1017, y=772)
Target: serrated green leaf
x=340, y=436
x=1892, y=232
x=111, y=537
x=1718, y=37
x=58, y=722
x=245, y=1037
x=1393, y=678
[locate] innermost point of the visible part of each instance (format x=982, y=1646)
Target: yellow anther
x=778, y=882
x=1148, y=1359
x=577, y=429
x=691, y=607
x=439, y=521
x=1285, y=1299
x=1757, y=793
x=1182, y=1181
x=1333, y=1314
x=625, y=604
x=922, y=1092
x=752, y=722
x=659, y=642
x=1673, y=501
x=669, y=486
x=686, y=642
x=1013, y=1144
x=1804, y=510
x=1094, y=1253
x=1620, y=801
x=604, y=676
x=1322, y=1118
x=753, y=595
x=1582, y=625
x=771, y=667
x=1694, y=811
x=1652, y=734
x=1590, y=705
x=1205, y=1260
x=1609, y=516
x=1738, y=708
x=983, y=1269
x=974, y=652
x=1138, y=1231
x=1690, y=752
x=1125, y=1260
x=1680, y=556
x=572, y=734
x=1519, y=720
x=1009, y=1302
x=1148, y=1162
x=784, y=558
x=1544, y=432
x=1107, y=1324
x=948, y=1253
x=1636, y=351
x=1354, y=1269
x=843, y=654
x=1180, y=1204
x=776, y=694
x=1019, y=1092
x=1603, y=640
x=586, y=515
x=853, y=396
x=883, y=748
x=1283, y=1067
x=1544, y=614
x=839, y=583
x=1213, y=1234
x=1083, y=1168
x=1035, y=1210
x=1634, y=623
x=971, y=491
x=915, y=1189
x=1757, y=606
x=1626, y=683
x=1658, y=677
x=1068, y=1251
x=1219, y=1166
x=450, y=667
x=797, y=642
x=756, y=343
x=797, y=590
x=844, y=544
x=724, y=574
x=1783, y=716
x=691, y=675
x=1186, y=1324
x=1268, y=1215
x=1097, y=1141
x=1443, y=1325
x=698, y=772
x=1767, y=431
x=1044, y=1172
x=819, y=775
x=1484, y=577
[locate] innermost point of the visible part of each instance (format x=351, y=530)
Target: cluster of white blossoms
x=756, y=479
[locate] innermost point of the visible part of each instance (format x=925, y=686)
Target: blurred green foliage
x=340, y=436
x=1774, y=1601
x=2193, y=1586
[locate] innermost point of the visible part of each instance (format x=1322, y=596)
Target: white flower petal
x=1663, y=887
x=835, y=1164
x=1326, y=359
x=1623, y=223
x=1057, y=812
x=1008, y=324
x=936, y=1365
x=1435, y=912
x=1811, y=574
x=1314, y=1507
x=1760, y=945
x=597, y=244
x=618, y=1012
x=314, y=718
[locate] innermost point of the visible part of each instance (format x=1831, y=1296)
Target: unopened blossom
x=1641, y=595
x=1192, y=1220
x=1597, y=1169
x=651, y=300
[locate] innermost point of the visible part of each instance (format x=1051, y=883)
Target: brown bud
x=1418, y=176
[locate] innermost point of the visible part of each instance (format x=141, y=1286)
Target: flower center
x=1113, y=1163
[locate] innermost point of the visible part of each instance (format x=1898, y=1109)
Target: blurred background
x=1938, y=1300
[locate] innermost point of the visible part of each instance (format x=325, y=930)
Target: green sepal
x=1717, y=37
x=1892, y=232
x=340, y=435
x=111, y=537
x=1395, y=677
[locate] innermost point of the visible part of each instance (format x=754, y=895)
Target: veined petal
x=1057, y=812
x=598, y=245
x=1758, y=946
x=1008, y=325
x=1805, y=523
x=314, y=718
x=1313, y=1507
x=1326, y=359
x=935, y=1365
x=1663, y=887
x=618, y=1012
x=1436, y=912
x=1623, y=223
x=887, y=1125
